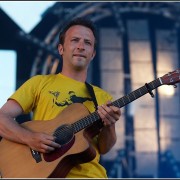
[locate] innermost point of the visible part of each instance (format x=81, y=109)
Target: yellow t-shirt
x=48, y=95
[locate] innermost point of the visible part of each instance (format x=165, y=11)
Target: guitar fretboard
x=93, y=117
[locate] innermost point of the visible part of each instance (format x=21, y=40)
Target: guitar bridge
x=36, y=155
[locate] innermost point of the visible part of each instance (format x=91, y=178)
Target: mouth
x=79, y=55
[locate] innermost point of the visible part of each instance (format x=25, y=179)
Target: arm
x=107, y=137
x=11, y=130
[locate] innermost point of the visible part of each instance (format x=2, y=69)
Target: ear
x=60, y=49
x=94, y=53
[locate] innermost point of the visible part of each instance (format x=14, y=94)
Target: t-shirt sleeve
x=27, y=94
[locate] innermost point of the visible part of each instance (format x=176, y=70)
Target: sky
x=26, y=14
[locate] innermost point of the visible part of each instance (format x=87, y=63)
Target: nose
x=81, y=45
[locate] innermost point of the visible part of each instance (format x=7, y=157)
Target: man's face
x=78, y=49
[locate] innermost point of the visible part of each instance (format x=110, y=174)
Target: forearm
x=11, y=130
x=106, y=139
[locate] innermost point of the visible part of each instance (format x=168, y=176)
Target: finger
x=114, y=108
x=109, y=113
x=52, y=143
x=105, y=117
x=56, y=145
x=49, y=137
x=44, y=149
x=103, y=112
x=47, y=148
x=101, y=116
x=109, y=103
x=115, y=112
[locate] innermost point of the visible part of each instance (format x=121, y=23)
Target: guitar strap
x=92, y=94
x=99, y=124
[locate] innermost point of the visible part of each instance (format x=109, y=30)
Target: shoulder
x=39, y=81
x=42, y=78
x=102, y=93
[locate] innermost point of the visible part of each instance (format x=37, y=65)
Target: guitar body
x=16, y=160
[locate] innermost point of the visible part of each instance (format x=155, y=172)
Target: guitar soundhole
x=63, y=134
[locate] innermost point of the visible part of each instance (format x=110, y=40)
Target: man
x=77, y=48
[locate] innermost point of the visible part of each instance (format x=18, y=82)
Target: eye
x=88, y=43
x=75, y=40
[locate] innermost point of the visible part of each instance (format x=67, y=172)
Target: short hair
x=78, y=21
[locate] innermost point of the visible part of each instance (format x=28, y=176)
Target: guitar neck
x=137, y=93
x=93, y=117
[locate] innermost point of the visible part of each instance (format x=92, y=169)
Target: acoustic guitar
x=19, y=161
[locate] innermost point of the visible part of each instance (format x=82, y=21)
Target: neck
x=76, y=75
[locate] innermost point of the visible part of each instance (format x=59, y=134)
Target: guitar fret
x=120, y=102
x=156, y=83
x=128, y=98
x=144, y=90
x=94, y=116
x=85, y=122
x=152, y=84
x=74, y=128
x=139, y=91
x=123, y=101
x=134, y=95
x=89, y=121
x=78, y=125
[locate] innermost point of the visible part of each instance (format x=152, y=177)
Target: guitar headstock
x=171, y=78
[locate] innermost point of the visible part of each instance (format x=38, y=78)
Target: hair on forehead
x=86, y=22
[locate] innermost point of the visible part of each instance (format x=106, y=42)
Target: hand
x=42, y=142
x=109, y=113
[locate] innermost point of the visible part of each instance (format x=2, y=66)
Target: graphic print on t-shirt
x=72, y=98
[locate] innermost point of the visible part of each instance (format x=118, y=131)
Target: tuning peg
x=175, y=86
